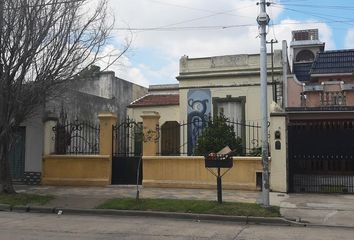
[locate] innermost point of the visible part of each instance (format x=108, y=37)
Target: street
x=50, y=226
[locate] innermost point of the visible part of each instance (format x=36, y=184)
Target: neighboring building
x=160, y=98
x=93, y=92
x=320, y=112
x=163, y=99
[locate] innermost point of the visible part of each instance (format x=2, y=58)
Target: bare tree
x=44, y=43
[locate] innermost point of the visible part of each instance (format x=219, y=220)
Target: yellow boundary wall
x=77, y=170
x=190, y=172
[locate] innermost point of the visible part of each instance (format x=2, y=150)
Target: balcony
x=332, y=99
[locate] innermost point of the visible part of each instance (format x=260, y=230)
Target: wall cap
x=150, y=114
x=75, y=156
x=107, y=115
x=200, y=158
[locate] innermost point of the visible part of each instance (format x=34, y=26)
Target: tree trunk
x=6, y=185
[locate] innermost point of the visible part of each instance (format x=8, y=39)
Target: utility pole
x=263, y=20
x=274, y=85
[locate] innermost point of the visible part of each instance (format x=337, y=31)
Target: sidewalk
x=90, y=197
x=318, y=209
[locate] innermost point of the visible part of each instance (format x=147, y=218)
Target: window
x=305, y=56
x=233, y=109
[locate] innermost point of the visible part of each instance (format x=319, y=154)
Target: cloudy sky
x=164, y=30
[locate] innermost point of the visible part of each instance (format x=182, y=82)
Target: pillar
x=49, y=122
x=107, y=120
x=151, y=133
x=278, y=151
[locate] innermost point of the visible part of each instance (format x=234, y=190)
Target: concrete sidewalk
x=318, y=209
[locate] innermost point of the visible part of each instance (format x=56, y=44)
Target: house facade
x=227, y=85
x=320, y=116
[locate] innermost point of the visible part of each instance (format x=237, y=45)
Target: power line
x=220, y=27
x=183, y=28
x=227, y=12
x=322, y=16
x=47, y=4
x=339, y=7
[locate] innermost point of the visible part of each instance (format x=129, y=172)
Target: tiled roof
x=338, y=61
x=302, y=71
x=156, y=100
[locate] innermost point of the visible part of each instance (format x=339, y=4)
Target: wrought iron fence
x=76, y=138
x=127, y=138
x=182, y=138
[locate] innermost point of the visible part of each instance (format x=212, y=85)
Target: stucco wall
x=100, y=85
x=84, y=170
x=167, y=113
x=252, y=94
x=278, y=168
x=101, y=92
x=190, y=172
x=293, y=91
x=234, y=75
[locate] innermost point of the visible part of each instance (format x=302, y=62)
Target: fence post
x=151, y=133
x=107, y=120
x=278, y=151
x=49, y=122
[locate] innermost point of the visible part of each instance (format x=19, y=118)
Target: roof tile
x=156, y=100
x=337, y=61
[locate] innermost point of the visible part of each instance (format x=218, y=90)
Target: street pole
x=263, y=20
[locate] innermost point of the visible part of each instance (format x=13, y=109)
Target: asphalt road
x=15, y=226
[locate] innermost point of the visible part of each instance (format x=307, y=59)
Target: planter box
x=218, y=162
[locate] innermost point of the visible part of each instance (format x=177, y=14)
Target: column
x=50, y=122
x=151, y=133
x=107, y=120
x=278, y=152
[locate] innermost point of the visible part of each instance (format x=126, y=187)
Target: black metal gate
x=127, y=153
x=321, y=156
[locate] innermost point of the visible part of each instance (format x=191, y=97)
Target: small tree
x=216, y=136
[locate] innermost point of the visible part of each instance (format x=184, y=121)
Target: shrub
x=216, y=136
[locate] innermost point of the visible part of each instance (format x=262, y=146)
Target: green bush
x=216, y=136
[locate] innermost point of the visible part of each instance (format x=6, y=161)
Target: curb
x=172, y=215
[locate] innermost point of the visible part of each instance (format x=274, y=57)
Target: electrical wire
x=48, y=4
x=347, y=21
x=220, y=27
x=330, y=7
x=202, y=10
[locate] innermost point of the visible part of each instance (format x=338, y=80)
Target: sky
x=162, y=31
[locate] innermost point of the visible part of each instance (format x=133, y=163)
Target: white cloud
x=349, y=39
x=171, y=45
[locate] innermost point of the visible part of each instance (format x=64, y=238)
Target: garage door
x=320, y=155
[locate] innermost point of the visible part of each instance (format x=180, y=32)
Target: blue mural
x=198, y=111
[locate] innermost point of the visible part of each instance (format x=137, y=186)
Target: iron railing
x=127, y=138
x=77, y=137
x=182, y=138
